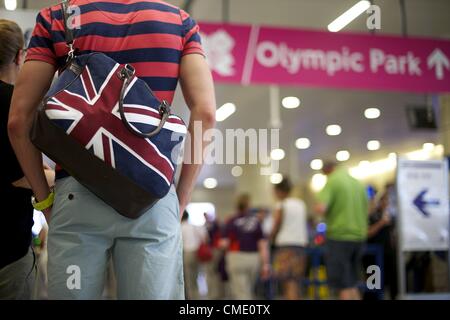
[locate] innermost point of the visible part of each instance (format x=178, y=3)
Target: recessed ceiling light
x=316, y=164
x=318, y=181
x=302, y=143
x=11, y=5
x=237, y=171
x=428, y=146
x=392, y=155
x=364, y=164
x=291, y=102
x=348, y=16
x=276, y=178
x=342, y=155
x=210, y=183
x=225, y=111
x=277, y=154
x=373, y=145
x=372, y=113
x=333, y=130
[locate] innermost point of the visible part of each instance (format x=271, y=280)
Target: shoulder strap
x=67, y=30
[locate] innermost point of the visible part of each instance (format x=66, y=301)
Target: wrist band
x=44, y=204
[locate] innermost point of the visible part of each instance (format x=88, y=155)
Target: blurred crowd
x=268, y=252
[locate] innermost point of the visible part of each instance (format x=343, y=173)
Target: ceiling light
x=302, y=143
x=372, y=113
x=11, y=5
x=277, y=154
x=374, y=168
x=225, y=111
x=373, y=145
x=276, y=178
x=291, y=102
x=342, y=155
x=318, y=182
x=364, y=164
x=428, y=146
x=333, y=130
x=237, y=171
x=316, y=164
x=348, y=16
x=210, y=183
x=439, y=149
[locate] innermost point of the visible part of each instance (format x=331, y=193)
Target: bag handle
x=127, y=74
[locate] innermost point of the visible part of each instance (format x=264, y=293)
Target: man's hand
x=385, y=219
x=320, y=209
x=265, y=271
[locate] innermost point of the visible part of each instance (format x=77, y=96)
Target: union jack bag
x=107, y=129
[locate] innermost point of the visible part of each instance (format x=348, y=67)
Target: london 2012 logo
x=218, y=48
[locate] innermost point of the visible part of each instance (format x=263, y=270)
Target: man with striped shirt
x=162, y=42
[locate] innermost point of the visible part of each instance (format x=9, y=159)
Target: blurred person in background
x=17, y=261
x=213, y=277
x=380, y=233
x=290, y=237
x=193, y=236
x=248, y=252
x=267, y=287
x=344, y=204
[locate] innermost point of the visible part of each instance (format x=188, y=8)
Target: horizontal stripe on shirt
x=151, y=35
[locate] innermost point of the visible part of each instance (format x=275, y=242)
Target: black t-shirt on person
x=16, y=213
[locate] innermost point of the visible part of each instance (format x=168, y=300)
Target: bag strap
x=68, y=31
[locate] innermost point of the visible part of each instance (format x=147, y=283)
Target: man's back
x=347, y=207
x=160, y=51
x=151, y=35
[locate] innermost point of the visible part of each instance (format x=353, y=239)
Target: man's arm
x=198, y=90
x=33, y=82
x=323, y=199
x=263, y=248
x=277, y=220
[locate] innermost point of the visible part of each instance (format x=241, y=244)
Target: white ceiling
x=321, y=107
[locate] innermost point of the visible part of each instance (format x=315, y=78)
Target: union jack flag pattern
x=88, y=110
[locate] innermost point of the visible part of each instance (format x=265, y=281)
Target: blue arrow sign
x=421, y=203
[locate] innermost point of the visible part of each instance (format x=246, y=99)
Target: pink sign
x=267, y=55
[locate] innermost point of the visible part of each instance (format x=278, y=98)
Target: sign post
x=423, y=215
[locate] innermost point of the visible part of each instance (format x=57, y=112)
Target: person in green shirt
x=344, y=204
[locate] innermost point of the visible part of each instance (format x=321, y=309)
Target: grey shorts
x=344, y=263
x=18, y=278
x=84, y=233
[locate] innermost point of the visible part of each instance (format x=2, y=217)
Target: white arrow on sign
x=438, y=60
